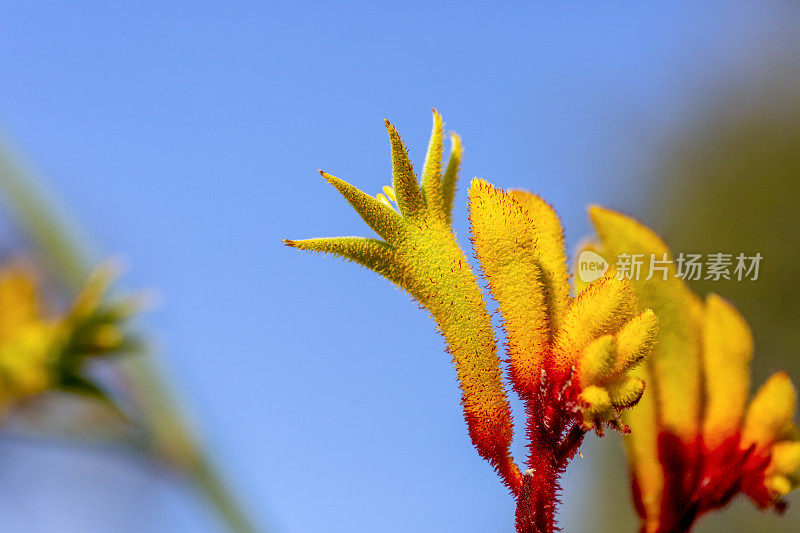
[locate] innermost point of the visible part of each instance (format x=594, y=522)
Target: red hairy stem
x=536, y=502
x=569, y=446
x=537, y=499
x=554, y=438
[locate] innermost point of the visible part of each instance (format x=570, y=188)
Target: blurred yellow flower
x=41, y=351
x=26, y=338
x=695, y=442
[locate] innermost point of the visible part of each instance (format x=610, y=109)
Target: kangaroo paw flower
x=695, y=443
x=420, y=254
x=42, y=351
x=569, y=358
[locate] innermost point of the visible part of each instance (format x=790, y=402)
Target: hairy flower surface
x=40, y=351
x=568, y=358
x=696, y=443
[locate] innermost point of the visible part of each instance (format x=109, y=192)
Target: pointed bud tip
x=594, y=209
x=455, y=141
x=288, y=242
x=330, y=178
x=599, y=212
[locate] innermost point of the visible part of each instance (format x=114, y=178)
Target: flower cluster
x=696, y=443
x=568, y=358
x=42, y=351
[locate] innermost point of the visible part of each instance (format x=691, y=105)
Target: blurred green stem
x=169, y=438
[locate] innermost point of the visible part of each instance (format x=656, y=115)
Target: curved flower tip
x=771, y=436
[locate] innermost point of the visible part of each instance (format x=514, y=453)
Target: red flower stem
x=537, y=500
x=554, y=438
x=569, y=446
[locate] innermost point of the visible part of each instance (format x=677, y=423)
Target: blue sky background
x=186, y=137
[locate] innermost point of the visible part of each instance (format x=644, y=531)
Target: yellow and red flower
x=42, y=351
x=696, y=443
x=569, y=358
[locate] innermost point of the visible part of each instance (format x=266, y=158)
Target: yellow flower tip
x=636, y=341
x=725, y=320
x=290, y=243
x=599, y=310
x=330, y=178
x=383, y=219
x=450, y=176
x=389, y=192
x=769, y=417
x=626, y=391
x=455, y=144
x=596, y=406
x=97, y=286
x=779, y=486
x=785, y=459
x=597, y=361
x=727, y=348
x=433, y=191
x=407, y=190
x=130, y=305
x=108, y=337
x=623, y=229
x=437, y=118
x=109, y=270
x=382, y=199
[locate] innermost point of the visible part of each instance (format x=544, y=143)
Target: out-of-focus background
x=186, y=137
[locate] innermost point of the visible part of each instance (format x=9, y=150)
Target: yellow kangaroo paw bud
x=625, y=391
x=636, y=340
x=599, y=310
x=597, y=361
